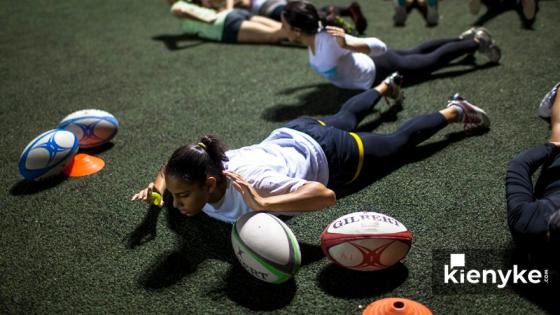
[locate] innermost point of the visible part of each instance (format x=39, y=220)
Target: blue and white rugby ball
x=93, y=127
x=48, y=154
x=266, y=247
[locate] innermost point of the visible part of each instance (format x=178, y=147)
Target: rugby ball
x=266, y=247
x=366, y=241
x=48, y=154
x=93, y=127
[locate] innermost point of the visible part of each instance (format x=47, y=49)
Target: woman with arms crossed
x=298, y=167
x=360, y=63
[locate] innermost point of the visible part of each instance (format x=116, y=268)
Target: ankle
x=384, y=89
x=452, y=114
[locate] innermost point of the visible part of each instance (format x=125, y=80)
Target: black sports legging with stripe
x=352, y=154
x=423, y=59
x=377, y=146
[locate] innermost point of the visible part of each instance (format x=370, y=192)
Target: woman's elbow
x=329, y=197
x=322, y=196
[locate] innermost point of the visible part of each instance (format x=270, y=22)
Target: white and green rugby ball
x=266, y=247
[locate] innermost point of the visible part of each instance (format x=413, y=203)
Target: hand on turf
x=146, y=195
x=339, y=34
x=250, y=195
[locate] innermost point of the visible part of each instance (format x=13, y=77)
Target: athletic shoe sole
x=545, y=108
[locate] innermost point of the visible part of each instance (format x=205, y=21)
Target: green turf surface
x=63, y=244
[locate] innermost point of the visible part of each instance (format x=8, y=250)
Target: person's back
x=341, y=67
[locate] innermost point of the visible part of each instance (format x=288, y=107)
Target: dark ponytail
x=193, y=163
x=302, y=15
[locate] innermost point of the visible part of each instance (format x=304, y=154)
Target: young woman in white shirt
x=360, y=63
x=299, y=167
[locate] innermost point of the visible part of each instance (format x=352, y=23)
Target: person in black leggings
x=534, y=212
x=361, y=63
x=424, y=58
x=299, y=166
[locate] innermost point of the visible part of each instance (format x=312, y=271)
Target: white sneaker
x=487, y=46
x=473, y=118
x=394, y=82
x=545, y=108
x=482, y=34
x=471, y=32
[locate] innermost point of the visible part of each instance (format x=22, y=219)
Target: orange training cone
x=84, y=164
x=396, y=306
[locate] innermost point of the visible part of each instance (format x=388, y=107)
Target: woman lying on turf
x=228, y=25
x=297, y=167
x=534, y=213
x=273, y=9
x=360, y=63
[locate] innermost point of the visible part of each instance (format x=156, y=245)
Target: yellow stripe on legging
x=360, y=159
x=360, y=151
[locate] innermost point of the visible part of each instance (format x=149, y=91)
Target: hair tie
x=201, y=145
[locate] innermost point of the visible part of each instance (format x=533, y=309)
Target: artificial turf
x=67, y=245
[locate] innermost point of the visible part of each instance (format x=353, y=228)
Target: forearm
x=159, y=181
x=519, y=186
x=309, y=197
x=369, y=46
x=529, y=217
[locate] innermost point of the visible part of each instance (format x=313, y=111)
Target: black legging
x=423, y=59
x=382, y=146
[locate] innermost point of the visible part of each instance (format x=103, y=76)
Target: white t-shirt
x=256, y=6
x=281, y=164
x=342, y=67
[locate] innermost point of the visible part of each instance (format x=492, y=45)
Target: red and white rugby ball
x=366, y=241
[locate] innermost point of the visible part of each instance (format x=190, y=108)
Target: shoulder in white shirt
x=342, y=67
x=281, y=164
